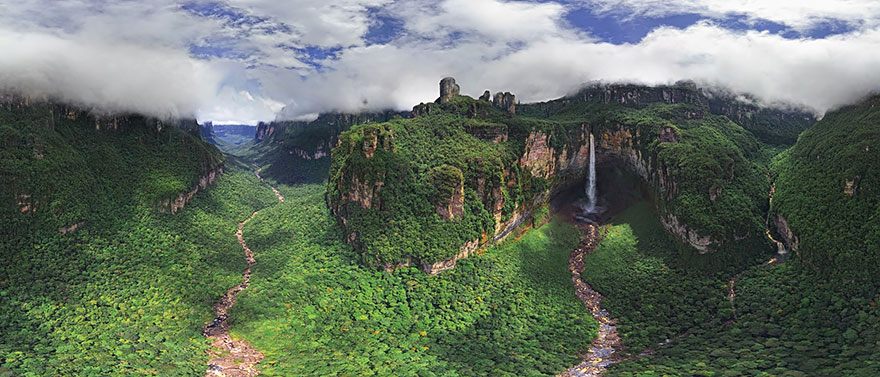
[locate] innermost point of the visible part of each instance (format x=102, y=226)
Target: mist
x=242, y=62
x=107, y=77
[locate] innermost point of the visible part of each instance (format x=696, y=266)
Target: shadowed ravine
x=779, y=257
x=228, y=357
x=607, y=342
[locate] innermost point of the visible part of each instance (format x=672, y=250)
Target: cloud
x=240, y=60
x=798, y=14
x=818, y=73
x=492, y=20
x=319, y=23
x=108, y=76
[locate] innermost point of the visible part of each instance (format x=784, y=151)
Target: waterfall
x=591, y=178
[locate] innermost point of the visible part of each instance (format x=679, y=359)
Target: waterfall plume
x=591, y=179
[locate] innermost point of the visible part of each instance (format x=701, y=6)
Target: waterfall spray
x=591, y=178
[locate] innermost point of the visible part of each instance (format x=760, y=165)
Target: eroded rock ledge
x=542, y=148
x=182, y=199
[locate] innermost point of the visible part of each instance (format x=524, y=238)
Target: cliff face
x=465, y=203
x=827, y=198
x=299, y=151
x=63, y=167
x=486, y=173
x=206, y=131
x=183, y=198
x=464, y=173
x=226, y=130
x=771, y=125
x=264, y=130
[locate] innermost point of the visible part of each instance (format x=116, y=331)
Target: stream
x=601, y=352
x=779, y=257
x=228, y=357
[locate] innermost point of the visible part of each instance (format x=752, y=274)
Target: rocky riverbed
x=602, y=351
x=229, y=357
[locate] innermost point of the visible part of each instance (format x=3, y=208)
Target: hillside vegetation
x=315, y=310
x=828, y=194
x=126, y=291
x=462, y=173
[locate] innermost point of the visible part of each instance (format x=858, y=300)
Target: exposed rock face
x=850, y=187
x=206, y=131
x=552, y=157
x=618, y=142
x=715, y=192
x=438, y=267
x=668, y=135
x=359, y=189
x=538, y=157
x=448, y=90
x=638, y=95
x=24, y=203
x=703, y=244
x=452, y=207
x=791, y=240
x=182, y=199
x=376, y=139
x=751, y=116
x=70, y=229
x=790, y=122
x=487, y=96
x=320, y=153
x=365, y=193
x=264, y=130
x=505, y=101
x=542, y=161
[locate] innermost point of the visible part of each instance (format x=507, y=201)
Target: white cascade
x=591, y=179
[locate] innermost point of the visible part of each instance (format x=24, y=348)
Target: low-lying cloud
x=242, y=61
x=109, y=77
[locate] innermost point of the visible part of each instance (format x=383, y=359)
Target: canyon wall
x=65, y=166
x=469, y=172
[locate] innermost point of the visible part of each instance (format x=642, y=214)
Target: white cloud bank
x=797, y=14
x=126, y=55
x=107, y=76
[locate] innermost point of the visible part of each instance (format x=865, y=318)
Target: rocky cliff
x=229, y=130
x=469, y=201
x=206, y=131
x=464, y=173
x=826, y=204
x=63, y=166
x=695, y=149
x=299, y=151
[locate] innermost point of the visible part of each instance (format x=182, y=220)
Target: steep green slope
x=299, y=151
x=463, y=173
x=424, y=187
x=827, y=201
x=95, y=279
x=787, y=321
x=815, y=315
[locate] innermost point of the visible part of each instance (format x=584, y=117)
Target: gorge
x=620, y=231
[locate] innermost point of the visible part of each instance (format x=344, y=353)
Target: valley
x=439, y=188
x=451, y=241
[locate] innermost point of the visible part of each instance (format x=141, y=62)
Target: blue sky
x=244, y=61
